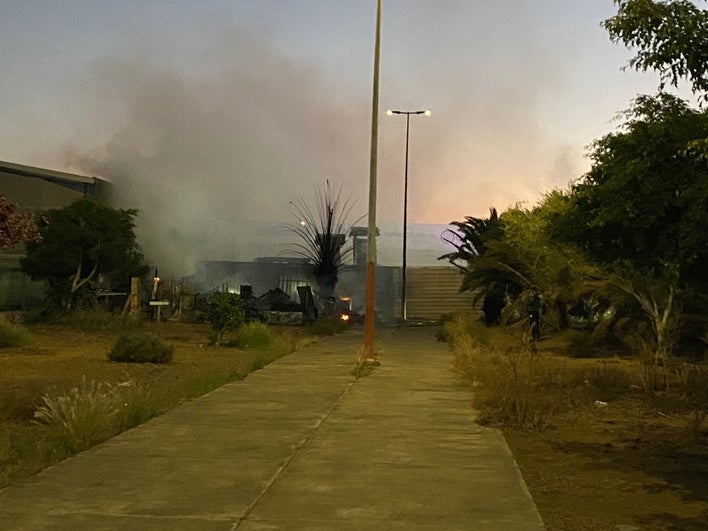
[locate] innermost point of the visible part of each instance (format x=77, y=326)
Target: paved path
x=299, y=445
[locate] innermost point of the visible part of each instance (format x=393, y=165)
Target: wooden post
x=134, y=297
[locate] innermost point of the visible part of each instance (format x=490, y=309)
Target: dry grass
x=65, y=376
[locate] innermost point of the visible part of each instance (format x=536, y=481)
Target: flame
x=344, y=317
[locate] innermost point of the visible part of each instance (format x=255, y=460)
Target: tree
x=490, y=280
x=644, y=201
x=81, y=243
x=322, y=233
x=511, y=254
x=640, y=212
x=16, y=227
x=671, y=37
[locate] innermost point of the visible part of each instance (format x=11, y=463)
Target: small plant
x=135, y=404
x=224, y=312
x=84, y=417
x=13, y=335
x=327, y=326
x=140, y=346
x=253, y=335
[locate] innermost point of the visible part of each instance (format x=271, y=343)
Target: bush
x=140, y=347
x=13, y=335
x=224, y=312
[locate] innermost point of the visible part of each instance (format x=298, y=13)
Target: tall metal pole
x=369, y=354
x=404, y=310
x=405, y=223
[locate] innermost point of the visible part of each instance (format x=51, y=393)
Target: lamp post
x=405, y=205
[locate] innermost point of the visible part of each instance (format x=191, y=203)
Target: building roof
x=68, y=180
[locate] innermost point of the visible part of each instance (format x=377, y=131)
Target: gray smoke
x=211, y=161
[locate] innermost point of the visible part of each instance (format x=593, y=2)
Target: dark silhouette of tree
x=81, y=242
x=670, y=37
x=322, y=230
x=475, y=241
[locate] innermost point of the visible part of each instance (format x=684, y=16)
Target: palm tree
x=486, y=262
x=322, y=233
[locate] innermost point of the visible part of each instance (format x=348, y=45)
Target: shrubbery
x=13, y=335
x=140, y=346
x=224, y=312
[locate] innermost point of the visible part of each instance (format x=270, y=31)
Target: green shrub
x=139, y=346
x=224, y=312
x=13, y=335
x=253, y=335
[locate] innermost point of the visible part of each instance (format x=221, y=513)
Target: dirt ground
x=630, y=463
x=621, y=467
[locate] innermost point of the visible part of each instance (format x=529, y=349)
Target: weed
x=95, y=321
x=84, y=417
x=327, y=326
x=13, y=335
x=135, y=404
x=252, y=335
x=514, y=386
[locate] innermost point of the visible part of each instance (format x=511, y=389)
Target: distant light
x=389, y=112
x=427, y=112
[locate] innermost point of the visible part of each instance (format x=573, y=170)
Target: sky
x=211, y=116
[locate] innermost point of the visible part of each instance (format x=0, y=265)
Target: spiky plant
x=322, y=230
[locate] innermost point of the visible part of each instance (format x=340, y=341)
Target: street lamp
x=405, y=204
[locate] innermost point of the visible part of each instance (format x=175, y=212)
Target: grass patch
x=516, y=385
x=327, y=326
x=13, y=335
x=253, y=335
x=76, y=411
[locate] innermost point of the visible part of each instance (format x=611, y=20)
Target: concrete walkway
x=299, y=445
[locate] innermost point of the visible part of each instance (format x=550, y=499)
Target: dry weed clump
x=515, y=385
x=94, y=412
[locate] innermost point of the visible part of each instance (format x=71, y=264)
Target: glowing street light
x=425, y=112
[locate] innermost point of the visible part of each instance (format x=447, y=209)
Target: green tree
x=514, y=253
x=79, y=243
x=644, y=201
x=322, y=231
x=640, y=212
x=670, y=37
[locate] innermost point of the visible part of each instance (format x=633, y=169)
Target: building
x=37, y=189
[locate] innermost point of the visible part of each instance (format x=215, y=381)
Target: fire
x=344, y=317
